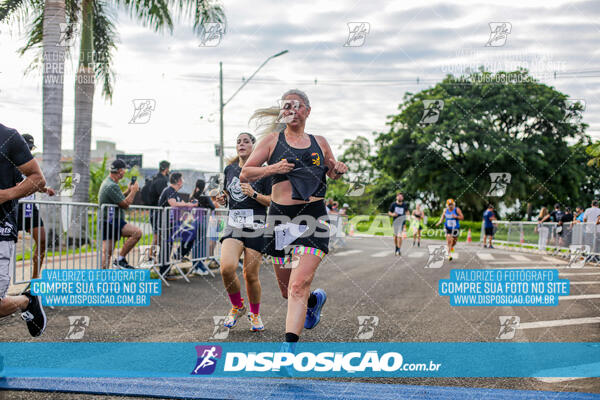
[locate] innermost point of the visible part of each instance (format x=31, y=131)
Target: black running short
x=314, y=240
x=31, y=215
x=489, y=231
x=251, y=238
x=452, y=231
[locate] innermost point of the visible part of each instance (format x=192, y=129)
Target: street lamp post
x=223, y=104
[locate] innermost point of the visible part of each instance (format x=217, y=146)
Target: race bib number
x=451, y=223
x=285, y=234
x=28, y=207
x=399, y=210
x=241, y=218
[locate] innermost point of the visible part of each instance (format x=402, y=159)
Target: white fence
x=563, y=240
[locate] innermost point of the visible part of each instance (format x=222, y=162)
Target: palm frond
x=105, y=41
x=206, y=11
x=18, y=10
x=36, y=32
x=150, y=13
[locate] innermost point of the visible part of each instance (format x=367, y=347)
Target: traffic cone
x=469, y=237
x=351, y=229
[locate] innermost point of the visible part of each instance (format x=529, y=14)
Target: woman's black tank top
x=302, y=158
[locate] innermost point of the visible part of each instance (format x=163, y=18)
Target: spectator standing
x=591, y=216
x=151, y=194
x=578, y=215
x=170, y=198
x=542, y=230
x=564, y=228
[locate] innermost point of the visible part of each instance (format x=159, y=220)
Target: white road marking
x=416, y=254
x=347, y=253
x=557, y=380
x=485, y=256
x=519, y=257
x=580, y=297
x=558, y=322
x=383, y=253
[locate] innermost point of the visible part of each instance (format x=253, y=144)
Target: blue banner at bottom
x=305, y=359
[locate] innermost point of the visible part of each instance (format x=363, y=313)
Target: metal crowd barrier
x=563, y=240
x=69, y=235
x=54, y=235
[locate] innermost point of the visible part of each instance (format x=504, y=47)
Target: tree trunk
x=54, y=59
x=52, y=106
x=84, y=101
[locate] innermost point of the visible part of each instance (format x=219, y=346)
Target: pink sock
x=254, y=308
x=236, y=299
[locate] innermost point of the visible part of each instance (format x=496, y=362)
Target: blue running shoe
x=313, y=314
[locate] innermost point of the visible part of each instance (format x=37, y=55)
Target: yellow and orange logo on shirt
x=317, y=159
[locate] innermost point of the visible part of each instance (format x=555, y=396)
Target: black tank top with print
x=308, y=163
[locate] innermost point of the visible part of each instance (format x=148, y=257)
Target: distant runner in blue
x=451, y=215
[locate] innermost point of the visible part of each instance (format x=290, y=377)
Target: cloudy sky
x=352, y=89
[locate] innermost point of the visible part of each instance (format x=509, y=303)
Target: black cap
x=117, y=165
x=29, y=140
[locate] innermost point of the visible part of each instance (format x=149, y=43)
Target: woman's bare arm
x=336, y=168
x=253, y=169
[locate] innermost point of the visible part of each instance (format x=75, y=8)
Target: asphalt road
x=364, y=279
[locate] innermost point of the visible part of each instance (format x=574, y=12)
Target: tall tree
x=485, y=123
x=49, y=32
x=98, y=40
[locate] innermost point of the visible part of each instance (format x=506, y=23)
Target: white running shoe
x=255, y=322
x=234, y=314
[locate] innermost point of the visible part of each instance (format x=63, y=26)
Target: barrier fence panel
x=558, y=239
x=55, y=235
x=69, y=235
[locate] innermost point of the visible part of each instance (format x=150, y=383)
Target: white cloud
x=406, y=41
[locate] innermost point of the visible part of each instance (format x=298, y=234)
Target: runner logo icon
x=207, y=359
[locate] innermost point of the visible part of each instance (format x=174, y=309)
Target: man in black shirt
x=398, y=210
x=159, y=182
x=556, y=215
x=564, y=228
x=16, y=159
x=170, y=198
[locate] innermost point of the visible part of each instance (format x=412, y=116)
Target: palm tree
x=98, y=40
x=47, y=18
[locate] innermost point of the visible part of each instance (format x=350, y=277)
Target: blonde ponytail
x=266, y=121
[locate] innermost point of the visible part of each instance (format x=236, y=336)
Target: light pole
x=223, y=104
